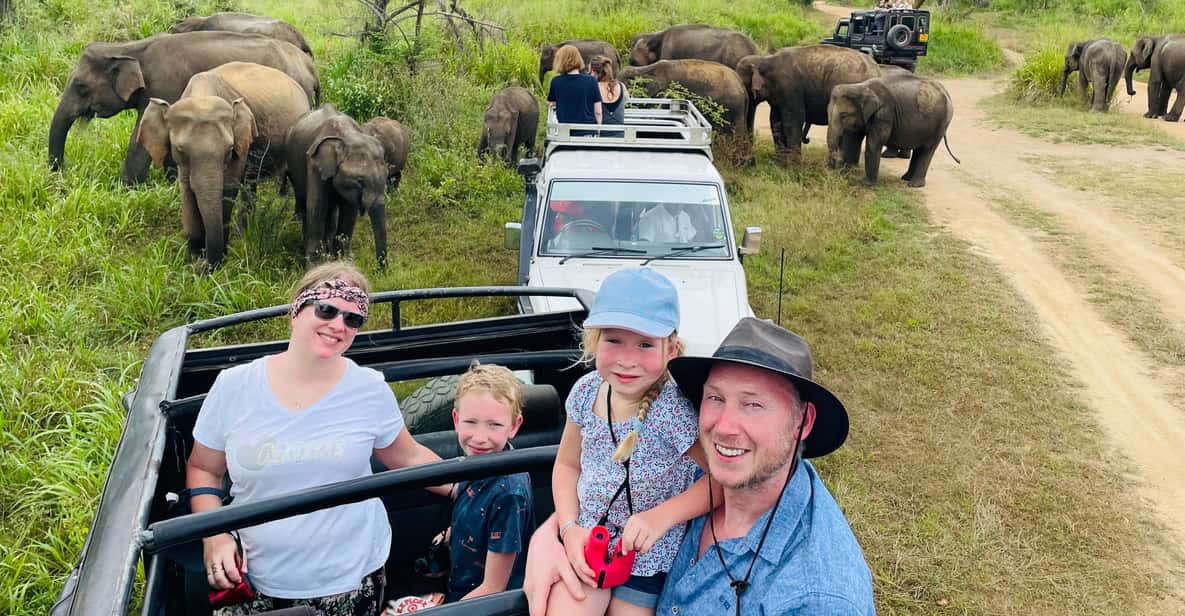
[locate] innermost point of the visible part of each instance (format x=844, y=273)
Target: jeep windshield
x=638, y=220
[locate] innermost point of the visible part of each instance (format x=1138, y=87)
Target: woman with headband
x=305, y=417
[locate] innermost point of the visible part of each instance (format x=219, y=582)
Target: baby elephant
x=511, y=120
x=899, y=110
x=229, y=126
x=337, y=172
x=1099, y=63
x=393, y=136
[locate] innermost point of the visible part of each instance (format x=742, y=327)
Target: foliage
x=713, y=111
x=959, y=48
x=1038, y=78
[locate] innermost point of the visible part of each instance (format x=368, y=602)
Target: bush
x=960, y=49
x=1038, y=78
x=514, y=63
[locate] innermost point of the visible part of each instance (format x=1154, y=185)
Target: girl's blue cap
x=638, y=299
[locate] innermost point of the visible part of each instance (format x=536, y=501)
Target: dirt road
x=1132, y=396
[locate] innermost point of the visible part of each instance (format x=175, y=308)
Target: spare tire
x=899, y=36
x=430, y=408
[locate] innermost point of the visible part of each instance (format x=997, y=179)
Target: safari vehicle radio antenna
x=781, y=277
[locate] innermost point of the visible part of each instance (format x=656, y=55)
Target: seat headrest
x=542, y=408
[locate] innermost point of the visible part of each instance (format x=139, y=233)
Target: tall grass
x=959, y=48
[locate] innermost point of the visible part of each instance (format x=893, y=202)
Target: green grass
x=959, y=48
x=1066, y=120
x=961, y=505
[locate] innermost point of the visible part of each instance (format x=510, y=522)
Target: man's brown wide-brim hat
x=762, y=344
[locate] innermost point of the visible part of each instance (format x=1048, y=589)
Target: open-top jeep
x=642, y=193
x=890, y=36
x=141, y=520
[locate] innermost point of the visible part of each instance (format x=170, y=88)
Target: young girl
x=574, y=97
x=630, y=432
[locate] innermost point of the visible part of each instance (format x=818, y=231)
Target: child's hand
x=574, y=541
x=643, y=530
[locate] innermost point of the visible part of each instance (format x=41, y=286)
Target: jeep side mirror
x=512, y=234
x=751, y=242
x=529, y=168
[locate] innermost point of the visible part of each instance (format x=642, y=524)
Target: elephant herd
x=230, y=99
x=1101, y=62
x=883, y=106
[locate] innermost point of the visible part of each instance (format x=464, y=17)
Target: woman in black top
x=575, y=98
x=613, y=94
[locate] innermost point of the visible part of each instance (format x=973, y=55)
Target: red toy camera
x=610, y=567
x=240, y=593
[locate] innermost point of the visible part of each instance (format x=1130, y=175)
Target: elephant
x=393, y=138
x=1099, y=63
x=898, y=110
x=230, y=123
x=691, y=42
x=337, y=172
x=797, y=83
x=588, y=48
x=511, y=120
x=111, y=77
x=247, y=24
x=1164, y=56
x=708, y=79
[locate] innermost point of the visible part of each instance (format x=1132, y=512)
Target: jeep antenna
x=781, y=273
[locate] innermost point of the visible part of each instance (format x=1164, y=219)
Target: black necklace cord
x=625, y=485
x=741, y=585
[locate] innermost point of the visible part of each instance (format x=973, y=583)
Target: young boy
x=492, y=517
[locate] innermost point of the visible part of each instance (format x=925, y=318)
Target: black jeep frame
x=139, y=517
x=890, y=36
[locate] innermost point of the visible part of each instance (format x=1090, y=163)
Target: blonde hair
x=603, y=67
x=340, y=270
x=567, y=59
x=588, y=346
x=498, y=381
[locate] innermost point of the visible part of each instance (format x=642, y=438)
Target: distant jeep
x=890, y=36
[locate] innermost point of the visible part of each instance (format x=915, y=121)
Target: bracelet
x=565, y=527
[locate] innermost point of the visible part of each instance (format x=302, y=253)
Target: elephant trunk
x=1061, y=88
x=1128, y=71
x=834, y=142
x=63, y=119
x=542, y=73
x=206, y=183
x=377, y=210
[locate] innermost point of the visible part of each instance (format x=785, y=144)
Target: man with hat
x=777, y=543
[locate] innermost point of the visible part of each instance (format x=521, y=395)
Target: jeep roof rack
x=650, y=124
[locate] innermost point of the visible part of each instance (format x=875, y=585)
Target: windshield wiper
x=597, y=250
x=683, y=251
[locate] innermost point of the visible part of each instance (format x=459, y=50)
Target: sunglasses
x=328, y=312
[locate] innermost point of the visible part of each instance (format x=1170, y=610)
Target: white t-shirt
x=271, y=450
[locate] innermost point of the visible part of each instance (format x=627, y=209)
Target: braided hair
x=626, y=448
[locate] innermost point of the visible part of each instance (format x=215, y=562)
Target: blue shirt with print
x=810, y=564
x=490, y=515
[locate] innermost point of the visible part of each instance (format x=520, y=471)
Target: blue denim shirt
x=810, y=564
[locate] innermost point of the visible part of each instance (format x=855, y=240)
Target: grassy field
x=974, y=478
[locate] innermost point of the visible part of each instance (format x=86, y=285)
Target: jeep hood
x=712, y=294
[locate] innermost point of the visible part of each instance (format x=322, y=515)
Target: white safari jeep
x=641, y=194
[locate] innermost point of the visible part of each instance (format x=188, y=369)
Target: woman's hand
x=546, y=565
x=219, y=554
x=574, y=540
x=643, y=530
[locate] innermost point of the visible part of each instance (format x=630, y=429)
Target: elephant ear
x=325, y=155
x=126, y=76
x=245, y=129
x=868, y=103
x=1143, y=49
x=153, y=132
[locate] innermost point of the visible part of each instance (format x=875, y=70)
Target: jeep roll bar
x=103, y=578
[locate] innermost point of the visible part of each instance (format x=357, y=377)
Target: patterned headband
x=333, y=288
